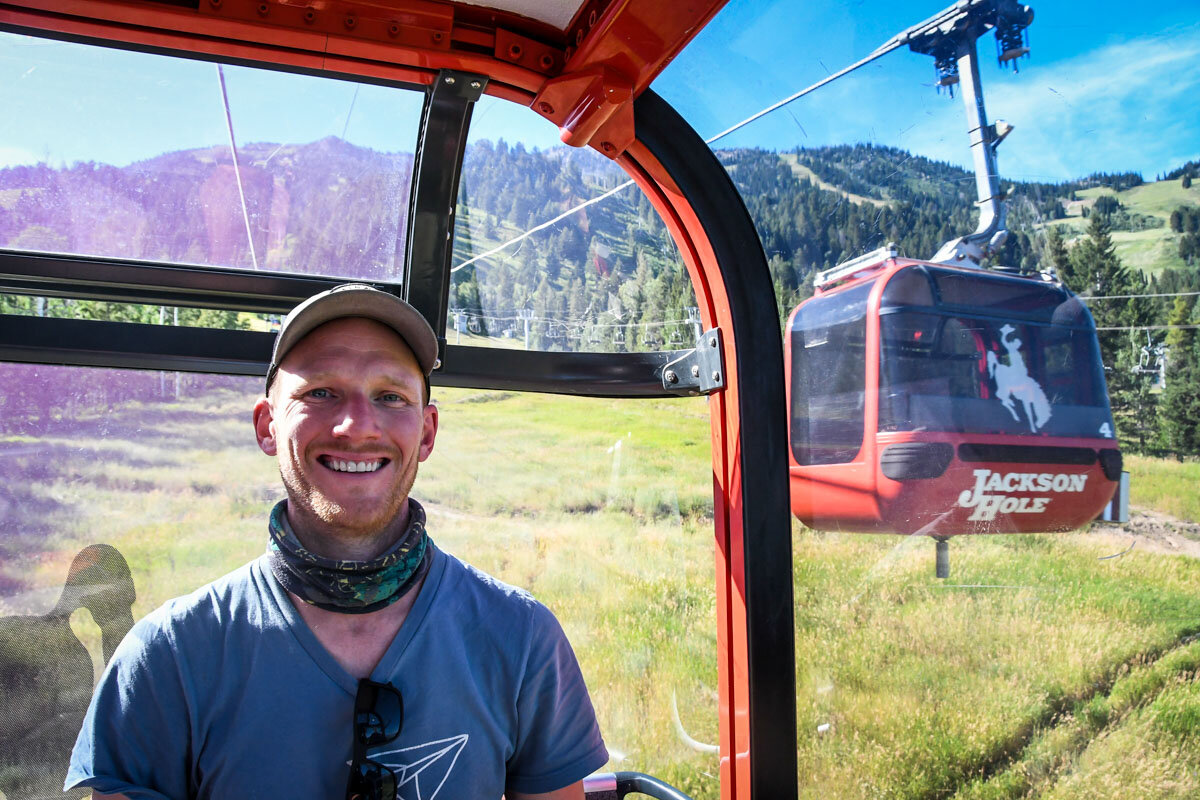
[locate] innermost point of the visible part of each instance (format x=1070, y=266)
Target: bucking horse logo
x=1014, y=383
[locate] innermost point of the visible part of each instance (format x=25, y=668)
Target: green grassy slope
x=1150, y=250
x=907, y=687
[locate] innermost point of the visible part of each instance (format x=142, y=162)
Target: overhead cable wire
x=881, y=51
x=542, y=226
x=577, y=322
x=1136, y=296
x=1146, y=327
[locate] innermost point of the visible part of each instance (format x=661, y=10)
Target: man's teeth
x=354, y=466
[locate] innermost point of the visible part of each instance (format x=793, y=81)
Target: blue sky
x=1102, y=91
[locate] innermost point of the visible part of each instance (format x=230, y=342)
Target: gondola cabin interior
x=626, y=433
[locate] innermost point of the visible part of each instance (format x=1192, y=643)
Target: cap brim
x=359, y=301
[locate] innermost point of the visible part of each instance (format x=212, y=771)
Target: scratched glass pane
x=555, y=248
x=122, y=489
x=964, y=628
x=131, y=155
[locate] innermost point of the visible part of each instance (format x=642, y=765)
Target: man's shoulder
x=234, y=596
x=487, y=596
x=465, y=577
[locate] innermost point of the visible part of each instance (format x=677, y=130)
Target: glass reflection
x=131, y=155
x=160, y=472
x=555, y=249
x=1054, y=666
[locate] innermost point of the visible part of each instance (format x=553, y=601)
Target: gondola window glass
x=943, y=372
x=138, y=156
x=556, y=249
x=829, y=377
x=121, y=489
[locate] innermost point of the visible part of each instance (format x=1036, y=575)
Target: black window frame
x=442, y=136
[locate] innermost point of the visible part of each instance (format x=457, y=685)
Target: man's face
x=347, y=420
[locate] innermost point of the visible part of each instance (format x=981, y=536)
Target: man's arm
x=572, y=792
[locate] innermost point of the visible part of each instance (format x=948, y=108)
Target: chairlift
x=1152, y=360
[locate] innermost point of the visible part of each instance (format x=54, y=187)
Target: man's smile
x=351, y=465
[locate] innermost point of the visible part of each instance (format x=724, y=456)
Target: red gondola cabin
x=943, y=400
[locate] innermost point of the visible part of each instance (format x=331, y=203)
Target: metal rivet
x=579, y=37
x=437, y=363
x=716, y=376
x=545, y=108
x=263, y=9
x=215, y=3
x=608, y=147
x=309, y=14
x=671, y=376
x=437, y=36
x=476, y=84
x=394, y=29
x=695, y=370
x=712, y=342
x=514, y=50
x=449, y=81
x=351, y=21
x=592, y=18
x=546, y=61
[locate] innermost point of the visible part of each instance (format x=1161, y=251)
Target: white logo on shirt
x=428, y=765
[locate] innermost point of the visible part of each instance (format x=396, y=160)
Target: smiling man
x=353, y=659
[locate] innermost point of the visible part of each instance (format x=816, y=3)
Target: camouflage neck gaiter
x=349, y=587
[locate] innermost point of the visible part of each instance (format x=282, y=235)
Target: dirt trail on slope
x=1157, y=532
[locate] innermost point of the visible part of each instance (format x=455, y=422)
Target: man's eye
x=319, y=394
x=391, y=397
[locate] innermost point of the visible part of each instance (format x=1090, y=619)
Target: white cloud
x=1124, y=106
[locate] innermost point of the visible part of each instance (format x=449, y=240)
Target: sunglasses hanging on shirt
x=378, y=716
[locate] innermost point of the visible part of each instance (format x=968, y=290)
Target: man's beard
x=315, y=507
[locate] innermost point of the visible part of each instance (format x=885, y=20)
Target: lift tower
x=950, y=38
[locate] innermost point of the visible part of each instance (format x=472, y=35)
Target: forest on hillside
x=555, y=250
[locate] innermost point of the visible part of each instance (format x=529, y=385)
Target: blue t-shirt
x=227, y=693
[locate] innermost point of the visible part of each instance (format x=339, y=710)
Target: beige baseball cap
x=357, y=300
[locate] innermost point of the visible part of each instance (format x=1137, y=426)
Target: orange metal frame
x=584, y=80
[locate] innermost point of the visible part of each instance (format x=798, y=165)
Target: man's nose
x=356, y=417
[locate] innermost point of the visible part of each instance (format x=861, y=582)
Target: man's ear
x=429, y=428
x=264, y=426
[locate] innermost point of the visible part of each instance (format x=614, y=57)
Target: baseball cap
x=357, y=300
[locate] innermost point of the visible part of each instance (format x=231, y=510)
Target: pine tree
x=1098, y=272
x=1057, y=256
x=1180, y=407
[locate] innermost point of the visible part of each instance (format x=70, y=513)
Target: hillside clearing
x=805, y=173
